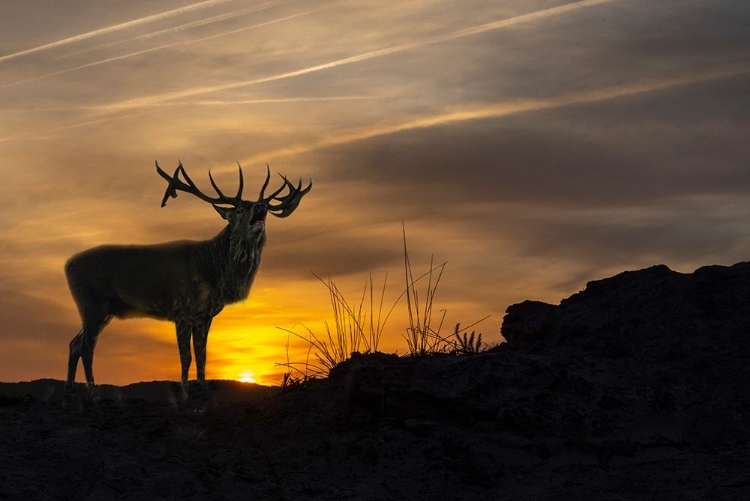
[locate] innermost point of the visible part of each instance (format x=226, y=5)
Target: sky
x=532, y=146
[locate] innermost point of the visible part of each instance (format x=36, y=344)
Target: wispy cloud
x=474, y=30
x=213, y=102
x=36, y=135
x=503, y=109
x=114, y=28
x=272, y=101
x=182, y=27
x=96, y=121
x=151, y=49
x=458, y=114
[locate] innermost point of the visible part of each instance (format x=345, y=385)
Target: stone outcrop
x=654, y=314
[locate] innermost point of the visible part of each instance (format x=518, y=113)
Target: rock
x=525, y=322
x=656, y=312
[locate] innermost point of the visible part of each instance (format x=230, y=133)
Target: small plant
x=467, y=344
x=292, y=382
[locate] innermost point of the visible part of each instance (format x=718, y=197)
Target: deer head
x=245, y=218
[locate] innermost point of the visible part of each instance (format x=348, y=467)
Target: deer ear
x=223, y=212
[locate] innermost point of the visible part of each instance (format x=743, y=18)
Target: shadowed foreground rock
x=637, y=387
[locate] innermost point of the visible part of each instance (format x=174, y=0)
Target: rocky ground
x=636, y=388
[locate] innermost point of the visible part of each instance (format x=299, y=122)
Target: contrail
x=116, y=27
x=478, y=112
x=152, y=49
x=274, y=101
x=182, y=27
x=196, y=103
x=75, y=125
x=504, y=109
x=524, y=18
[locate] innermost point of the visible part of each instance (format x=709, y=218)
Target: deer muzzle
x=260, y=210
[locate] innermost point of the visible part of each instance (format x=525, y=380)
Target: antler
x=288, y=202
x=188, y=186
x=285, y=206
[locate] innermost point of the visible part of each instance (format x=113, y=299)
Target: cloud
x=387, y=51
x=504, y=109
x=555, y=156
x=182, y=27
x=146, y=51
x=110, y=29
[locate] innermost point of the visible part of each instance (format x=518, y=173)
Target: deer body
x=186, y=282
x=165, y=281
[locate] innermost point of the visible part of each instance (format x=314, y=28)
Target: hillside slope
x=637, y=387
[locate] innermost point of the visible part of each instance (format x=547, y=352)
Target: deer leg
x=200, y=339
x=73, y=357
x=184, y=330
x=88, y=337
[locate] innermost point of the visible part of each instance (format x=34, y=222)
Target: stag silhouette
x=186, y=282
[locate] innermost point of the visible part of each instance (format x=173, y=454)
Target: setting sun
x=247, y=377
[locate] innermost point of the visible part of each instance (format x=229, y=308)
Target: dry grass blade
x=325, y=353
x=296, y=376
x=376, y=328
x=421, y=338
x=352, y=331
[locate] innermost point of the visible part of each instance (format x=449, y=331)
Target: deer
x=185, y=282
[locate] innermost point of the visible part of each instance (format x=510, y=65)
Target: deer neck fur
x=230, y=263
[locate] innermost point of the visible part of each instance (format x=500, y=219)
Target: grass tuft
x=421, y=338
x=355, y=329
x=467, y=344
x=358, y=327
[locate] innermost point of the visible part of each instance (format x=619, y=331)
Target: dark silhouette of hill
x=51, y=390
x=637, y=387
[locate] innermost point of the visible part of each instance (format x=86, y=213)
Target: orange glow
x=247, y=377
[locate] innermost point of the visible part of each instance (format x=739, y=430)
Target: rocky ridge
x=637, y=387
